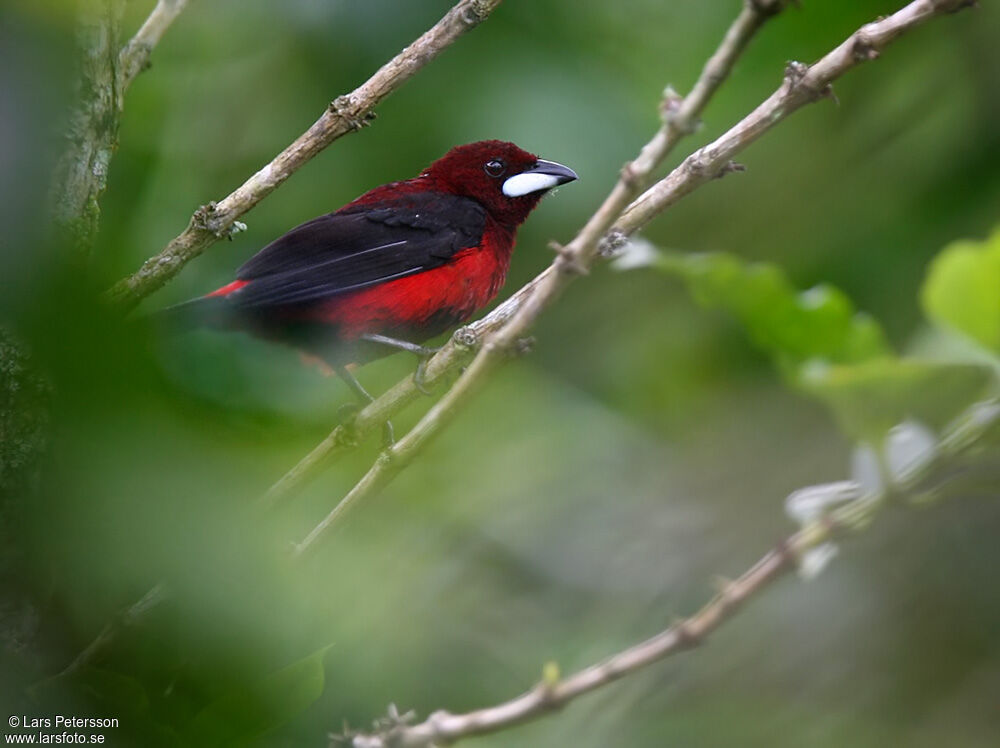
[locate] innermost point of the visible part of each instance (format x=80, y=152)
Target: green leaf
x=962, y=289
x=250, y=711
x=827, y=349
x=793, y=326
x=869, y=398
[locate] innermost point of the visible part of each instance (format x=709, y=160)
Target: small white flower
x=815, y=560
x=909, y=446
x=637, y=253
x=866, y=470
x=811, y=504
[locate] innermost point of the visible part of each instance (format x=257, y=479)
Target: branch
x=345, y=114
x=827, y=511
x=803, y=84
x=134, y=57
x=680, y=118
x=127, y=617
x=442, y=728
x=609, y=226
x=91, y=134
x=81, y=174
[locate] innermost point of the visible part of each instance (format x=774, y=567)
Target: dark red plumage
x=405, y=261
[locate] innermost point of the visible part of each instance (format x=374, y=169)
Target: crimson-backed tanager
x=395, y=267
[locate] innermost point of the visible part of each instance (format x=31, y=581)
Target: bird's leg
x=420, y=351
x=388, y=437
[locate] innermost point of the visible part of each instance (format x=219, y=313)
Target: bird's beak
x=544, y=175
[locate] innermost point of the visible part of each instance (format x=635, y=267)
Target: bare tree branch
x=550, y=695
x=803, y=84
x=81, y=173
x=609, y=225
x=680, y=118
x=134, y=57
x=825, y=511
x=345, y=114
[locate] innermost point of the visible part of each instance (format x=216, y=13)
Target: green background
x=593, y=489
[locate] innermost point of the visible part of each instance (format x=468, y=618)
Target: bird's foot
x=388, y=435
x=346, y=415
x=422, y=352
x=420, y=375
x=364, y=398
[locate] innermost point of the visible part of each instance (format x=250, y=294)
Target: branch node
x=475, y=12
x=343, y=107
x=730, y=167
x=671, y=113
x=569, y=261
x=795, y=71
x=698, y=163
x=611, y=243
x=796, y=74
x=686, y=638
x=863, y=48
x=207, y=219
x=466, y=338
x=630, y=176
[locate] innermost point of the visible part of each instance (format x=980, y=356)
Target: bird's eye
x=495, y=167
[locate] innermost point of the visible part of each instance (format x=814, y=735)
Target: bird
x=392, y=269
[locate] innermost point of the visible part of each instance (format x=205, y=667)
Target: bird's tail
x=205, y=311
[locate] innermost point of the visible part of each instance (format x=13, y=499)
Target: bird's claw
x=347, y=412
x=420, y=375
x=388, y=435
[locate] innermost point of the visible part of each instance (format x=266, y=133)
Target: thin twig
x=680, y=118
x=443, y=728
x=127, y=617
x=134, y=57
x=345, y=114
x=839, y=508
x=802, y=84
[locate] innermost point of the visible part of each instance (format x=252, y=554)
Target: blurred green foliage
x=827, y=349
x=962, y=290
x=589, y=493
x=256, y=708
x=796, y=327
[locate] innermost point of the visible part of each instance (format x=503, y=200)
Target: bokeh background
x=594, y=488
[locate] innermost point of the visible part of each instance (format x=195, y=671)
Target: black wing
x=358, y=247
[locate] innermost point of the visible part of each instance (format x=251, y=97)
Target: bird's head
x=504, y=179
